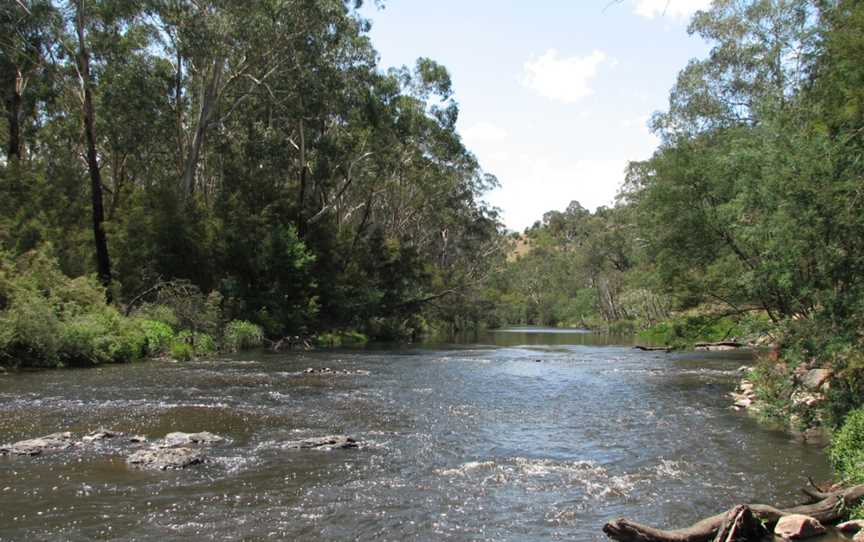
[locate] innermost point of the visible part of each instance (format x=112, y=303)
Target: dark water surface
x=470, y=442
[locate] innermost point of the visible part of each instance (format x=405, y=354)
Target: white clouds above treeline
x=563, y=79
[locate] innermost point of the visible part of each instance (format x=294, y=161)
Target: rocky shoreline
x=810, y=386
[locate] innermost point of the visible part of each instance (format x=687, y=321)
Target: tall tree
x=88, y=113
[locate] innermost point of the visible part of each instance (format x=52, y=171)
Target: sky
x=554, y=95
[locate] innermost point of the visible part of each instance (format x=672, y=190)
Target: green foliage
x=345, y=197
x=47, y=319
x=334, y=339
x=684, y=331
x=158, y=334
x=158, y=313
x=182, y=351
x=773, y=389
x=847, y=448
x=101, y=337
x=241, y=335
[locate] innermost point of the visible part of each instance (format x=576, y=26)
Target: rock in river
x=166, y=458
x=798, y=526
x=327, y=371
x=48, y=443
x=101, y=435
x=330, y=442
x=182, y=439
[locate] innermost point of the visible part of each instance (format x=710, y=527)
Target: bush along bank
x=50, y=320
x=810, y=381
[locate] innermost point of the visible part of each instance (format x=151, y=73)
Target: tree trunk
x=205, y=113
x=13, y=112
x=827, y=510
x=301, y=211
x=103, y=262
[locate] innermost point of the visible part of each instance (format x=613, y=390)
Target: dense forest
x=251, y=157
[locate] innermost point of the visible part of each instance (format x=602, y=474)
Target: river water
x=521, y=435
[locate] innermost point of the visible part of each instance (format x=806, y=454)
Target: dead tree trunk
x=827, y=510
x=103, y=262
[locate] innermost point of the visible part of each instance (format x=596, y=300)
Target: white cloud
x=484, y=132
x=562, y=79
x=533, y=184
x=671, y=8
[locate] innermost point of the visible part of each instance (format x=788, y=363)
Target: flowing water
x=522, y=435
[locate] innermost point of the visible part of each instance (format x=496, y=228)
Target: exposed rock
x=805, y=398
x=742, y=403
x=851, y=526
x=165, y=458
x=137, y=439
x=859, y=537
x=327, y=371
x=101, y=435
x=183, y=439
x=814, y=378
x=330, y=442
x=49, y=443
x=798, y=526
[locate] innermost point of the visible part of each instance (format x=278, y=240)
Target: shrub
x=240, y=335
x=333, y=339
x=158, y=336
x=159, y=313
x=328, y=340
x=101, y=336
x=182, y=351
x=683, y=331
x=847, y=448
x=199, y=343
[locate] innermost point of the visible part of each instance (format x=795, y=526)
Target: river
x=521, y=435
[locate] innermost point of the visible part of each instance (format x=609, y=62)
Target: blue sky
x=554, y=95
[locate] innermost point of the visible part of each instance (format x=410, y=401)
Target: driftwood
x=740, y=523
x=829, y=509
x=653, y=348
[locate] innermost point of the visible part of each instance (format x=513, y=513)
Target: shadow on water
x=519, y=434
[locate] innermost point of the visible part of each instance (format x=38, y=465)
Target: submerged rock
x=49, y=443
x=330, y=442
x=798, y=526
x=182, y=439
x=101, y=435
x=166, y=458
x=327, y=371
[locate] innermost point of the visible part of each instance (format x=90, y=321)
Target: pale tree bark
x=209, y=97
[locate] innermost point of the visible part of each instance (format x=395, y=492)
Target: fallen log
x=740, y=524
x=828, y=510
